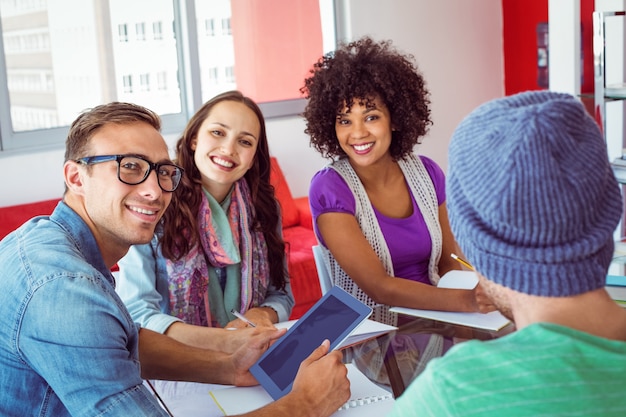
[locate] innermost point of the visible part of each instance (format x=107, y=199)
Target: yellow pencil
x=462, y=262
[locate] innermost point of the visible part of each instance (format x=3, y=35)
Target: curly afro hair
x=361, y=71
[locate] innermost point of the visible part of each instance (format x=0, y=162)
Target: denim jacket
x=68, y=346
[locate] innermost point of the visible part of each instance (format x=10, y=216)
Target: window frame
x=186, y=30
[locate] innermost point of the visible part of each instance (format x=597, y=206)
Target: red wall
x=264, y=67
x=520, y=19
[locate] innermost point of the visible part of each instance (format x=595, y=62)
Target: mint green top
x=540, y=370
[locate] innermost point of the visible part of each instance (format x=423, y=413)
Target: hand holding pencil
x=242, y=318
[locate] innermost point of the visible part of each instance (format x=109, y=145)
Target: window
x=226, y=27
x=157, y=31
x=229, y=73
x=140, y=30
x=127, y=82
x=213, y=76
x=209, y=27
x=144, y=82
x=44, y=84
x=122, y=32
x=161, y=80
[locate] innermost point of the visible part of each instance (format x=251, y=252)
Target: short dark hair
x=91, y=120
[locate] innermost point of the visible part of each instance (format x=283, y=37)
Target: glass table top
x=395, y=359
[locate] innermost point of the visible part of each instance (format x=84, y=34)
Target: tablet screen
x=333, y=317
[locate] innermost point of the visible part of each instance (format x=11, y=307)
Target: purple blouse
x=408, y=239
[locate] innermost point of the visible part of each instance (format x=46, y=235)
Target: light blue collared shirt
x=68, y=346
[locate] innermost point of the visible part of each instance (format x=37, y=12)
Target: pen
x=462, y=262
x=242, y=318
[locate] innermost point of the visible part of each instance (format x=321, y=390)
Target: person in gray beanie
x=533, y=204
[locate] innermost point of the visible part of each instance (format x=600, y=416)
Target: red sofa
x=12, y=217
x=299, y=238
x=297, y=231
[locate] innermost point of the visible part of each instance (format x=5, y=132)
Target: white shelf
x=615, y=91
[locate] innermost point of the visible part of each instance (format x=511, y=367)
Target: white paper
x=376, y=401
x=493, y=321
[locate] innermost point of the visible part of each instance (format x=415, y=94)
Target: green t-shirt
x=540, y=370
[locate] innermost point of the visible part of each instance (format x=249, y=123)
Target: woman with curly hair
x=379, y=210
x=219, y=247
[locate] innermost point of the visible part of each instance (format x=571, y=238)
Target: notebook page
x=492, y=321
x=365, y=394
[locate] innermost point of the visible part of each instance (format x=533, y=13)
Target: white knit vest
x=423, y=190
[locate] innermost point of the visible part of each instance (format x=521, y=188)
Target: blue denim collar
x=82, y=237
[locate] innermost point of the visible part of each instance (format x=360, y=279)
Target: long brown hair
x=180, y=220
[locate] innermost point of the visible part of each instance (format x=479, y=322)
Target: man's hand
x=483, y=302
x=255, y=343
x=320, y=388
x=322, y=381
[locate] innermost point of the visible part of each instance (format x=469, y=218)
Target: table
x=187, y=399
x=618, y=263
x=392, y=361
x=395, y=359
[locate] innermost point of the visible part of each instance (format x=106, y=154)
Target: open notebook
x=367, y=399
x=493, y=321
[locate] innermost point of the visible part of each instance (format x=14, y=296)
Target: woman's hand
x=260, y=316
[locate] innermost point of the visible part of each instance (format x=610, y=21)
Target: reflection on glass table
x=397, y=358
x=391, y=361
x=618, y=264
x=616, y=276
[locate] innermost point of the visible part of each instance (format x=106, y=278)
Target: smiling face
x=225, y=146
x=118, y=214
x=364, y=131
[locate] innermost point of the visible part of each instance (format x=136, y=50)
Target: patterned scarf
x=189, y=277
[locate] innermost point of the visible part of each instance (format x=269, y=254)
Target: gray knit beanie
x=532, y=199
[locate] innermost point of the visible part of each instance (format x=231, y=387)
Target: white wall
x=457, y=45
x=615, y=72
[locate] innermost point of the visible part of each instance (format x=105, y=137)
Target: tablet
x=333, y=317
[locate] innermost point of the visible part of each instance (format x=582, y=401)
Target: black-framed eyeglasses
x=133, y=170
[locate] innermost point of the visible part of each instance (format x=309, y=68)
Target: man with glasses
x=134, y=169
x=68, y=346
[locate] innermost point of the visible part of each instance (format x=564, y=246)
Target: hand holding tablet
x=333, y=317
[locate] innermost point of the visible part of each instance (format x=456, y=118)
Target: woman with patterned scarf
x=219, y=247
